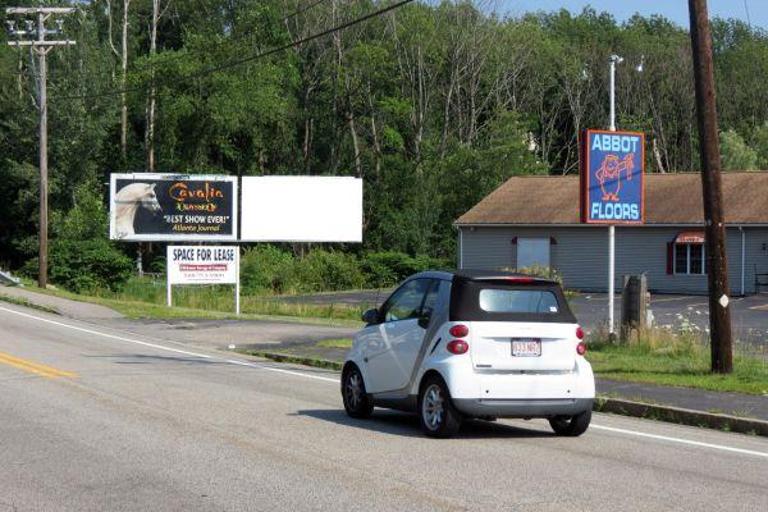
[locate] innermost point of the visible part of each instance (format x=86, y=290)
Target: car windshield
x=495, y=300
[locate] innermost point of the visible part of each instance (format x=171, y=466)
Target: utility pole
x=721, y=342
x=34, y=35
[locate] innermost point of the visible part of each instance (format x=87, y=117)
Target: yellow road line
x=35, y=368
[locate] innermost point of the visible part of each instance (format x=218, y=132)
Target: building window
x=690, y=259
x=686, y=254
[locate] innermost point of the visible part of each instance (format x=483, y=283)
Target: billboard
x=302, y=209
x=612, y=177
x=197, y=264
x=167, y=207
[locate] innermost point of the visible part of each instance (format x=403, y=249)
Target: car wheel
x=571, y=426
x=439, y=418
x=356, y=401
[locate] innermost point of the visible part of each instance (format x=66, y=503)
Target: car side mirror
x=371, y=317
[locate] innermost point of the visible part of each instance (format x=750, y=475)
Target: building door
x=532, y=251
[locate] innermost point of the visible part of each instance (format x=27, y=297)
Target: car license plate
x=526, y=347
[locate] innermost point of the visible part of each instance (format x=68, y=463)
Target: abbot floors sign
x=612, y=177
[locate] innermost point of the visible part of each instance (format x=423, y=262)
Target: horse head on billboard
x=128, y=201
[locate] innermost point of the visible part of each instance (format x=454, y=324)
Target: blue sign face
x=612, y=171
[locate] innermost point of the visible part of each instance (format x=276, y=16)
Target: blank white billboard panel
x=302, y=209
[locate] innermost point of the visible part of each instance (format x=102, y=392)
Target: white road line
x=679, y=440
x=336, y=381
x=168, y=349
x=112, y=336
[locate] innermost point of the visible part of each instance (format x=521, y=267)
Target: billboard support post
x=168, y=290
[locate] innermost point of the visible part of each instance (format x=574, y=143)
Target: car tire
x=357, y=403
x=438, y=416
x=571, y=426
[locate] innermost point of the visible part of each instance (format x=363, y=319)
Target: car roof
x=478, y=275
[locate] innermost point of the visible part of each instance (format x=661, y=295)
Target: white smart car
x=451, y=346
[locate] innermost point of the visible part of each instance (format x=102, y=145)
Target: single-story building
x=535, y=220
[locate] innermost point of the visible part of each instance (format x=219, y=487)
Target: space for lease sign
x=191, y=264
x=612, y=177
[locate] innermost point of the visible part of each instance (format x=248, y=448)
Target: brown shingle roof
x=669, y=199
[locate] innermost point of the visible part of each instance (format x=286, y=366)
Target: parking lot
x=678, y=312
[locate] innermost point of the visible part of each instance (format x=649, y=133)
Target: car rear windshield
x=494, y=300
x=499, y=301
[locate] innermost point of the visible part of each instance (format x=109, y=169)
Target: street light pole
x=37, y=42
x=615, y=59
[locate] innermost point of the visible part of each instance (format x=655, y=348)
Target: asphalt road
x=95, y=418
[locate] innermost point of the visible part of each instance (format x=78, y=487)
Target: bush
x=88, y=265
x=323, y=270
x=265, y=268
x=384, y=269
x=81, y=257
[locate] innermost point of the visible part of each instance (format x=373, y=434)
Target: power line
x=256, y=56
x=746, y=8
x=173, y=56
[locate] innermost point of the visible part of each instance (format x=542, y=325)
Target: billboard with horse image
x=167, y=207
x=612, y=177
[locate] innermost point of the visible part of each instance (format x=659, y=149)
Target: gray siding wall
x=756, y=245
x=580, y=254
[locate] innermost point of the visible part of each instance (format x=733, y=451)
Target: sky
x=676, y=10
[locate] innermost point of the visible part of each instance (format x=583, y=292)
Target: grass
x=335, y=343
x=27, y=304
x=682, y=360
x=207, y=304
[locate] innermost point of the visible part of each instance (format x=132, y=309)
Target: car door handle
x=365, y=359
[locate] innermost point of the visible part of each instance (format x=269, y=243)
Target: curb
x=682, y=416
x=635, y=409
x=23, y=302
x=294, y=359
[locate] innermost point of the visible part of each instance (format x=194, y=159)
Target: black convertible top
x=465, y=297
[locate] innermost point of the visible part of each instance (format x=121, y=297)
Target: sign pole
x=168, y=280
x=237, y=282
x=615, y=59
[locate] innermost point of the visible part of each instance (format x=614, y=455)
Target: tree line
x=433, y=105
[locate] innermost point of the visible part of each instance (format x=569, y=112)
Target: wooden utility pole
x=34, y=36
x=721, y=342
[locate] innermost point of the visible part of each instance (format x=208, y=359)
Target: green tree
x=735, y=154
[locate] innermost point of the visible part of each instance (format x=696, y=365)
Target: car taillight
x=457, y=347
x=581, y=348
x=579, y=332
x=459, y=331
